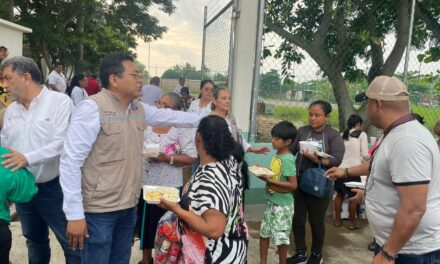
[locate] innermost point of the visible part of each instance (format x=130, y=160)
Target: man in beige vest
x=101, y=165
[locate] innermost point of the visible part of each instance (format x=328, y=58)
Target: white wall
x=244, y=56
x=11, y=39
x=11, y=36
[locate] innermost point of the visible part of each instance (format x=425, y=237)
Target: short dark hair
x=325, y=106
x=57, y=63
x=112, y=64
x=284, y=130
x=217, y=139
x=22, y=65
x=155, y=80
x=184, y=90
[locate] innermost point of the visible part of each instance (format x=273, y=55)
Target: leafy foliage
x=82, y=32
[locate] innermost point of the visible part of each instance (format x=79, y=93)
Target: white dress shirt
x=82, y=133
x=58, y=79
x=38, y=133
x=78, y=94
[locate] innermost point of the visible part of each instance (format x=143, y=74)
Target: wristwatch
x=172, y=160
x=387, y=256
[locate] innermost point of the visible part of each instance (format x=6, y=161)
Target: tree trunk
x=345, y=108
x=79, y=64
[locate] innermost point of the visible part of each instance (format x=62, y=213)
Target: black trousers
x=5, y=242
x=313, y=208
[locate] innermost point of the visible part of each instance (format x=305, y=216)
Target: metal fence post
x=234, y=18
x=205, y=17
x=257, y=71
x=408, y=47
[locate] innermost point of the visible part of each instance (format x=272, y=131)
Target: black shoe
x=297, y=259
x=315, y=258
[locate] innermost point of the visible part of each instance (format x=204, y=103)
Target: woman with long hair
x=356, y=150
x=77, y=90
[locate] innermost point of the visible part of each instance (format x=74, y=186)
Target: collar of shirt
x=35, y=101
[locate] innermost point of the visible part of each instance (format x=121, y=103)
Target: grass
x=299, y=115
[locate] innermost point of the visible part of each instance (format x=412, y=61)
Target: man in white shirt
x=180, y=85
x=34, y=129
x=402, y=197
x=56, y=79
x=151, y=93
x=101, y=164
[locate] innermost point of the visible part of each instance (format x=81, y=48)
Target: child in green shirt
x=278, y=214
x=17, y=187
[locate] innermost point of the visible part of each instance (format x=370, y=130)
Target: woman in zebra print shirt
x=211, y=222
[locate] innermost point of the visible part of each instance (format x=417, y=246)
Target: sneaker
x=297, y=259
x=315, y=258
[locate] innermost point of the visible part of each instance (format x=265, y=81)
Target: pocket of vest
x=111, y=137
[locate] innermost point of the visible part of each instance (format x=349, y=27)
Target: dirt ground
x=342, y=246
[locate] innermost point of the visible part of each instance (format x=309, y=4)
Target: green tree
x=337, y=33
x=82, y=32
x=271, y=85
x=186, y=70
x=142, y=70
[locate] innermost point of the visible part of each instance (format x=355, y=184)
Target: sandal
x=353, y=227
x=337, y=223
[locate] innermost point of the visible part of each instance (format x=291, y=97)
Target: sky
x=181, y=43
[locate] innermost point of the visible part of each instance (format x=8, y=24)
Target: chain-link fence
x=316, y=49
x=217, y=30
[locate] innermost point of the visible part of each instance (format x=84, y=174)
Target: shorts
x=277, y=223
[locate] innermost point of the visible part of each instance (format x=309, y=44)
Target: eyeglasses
x=135, y=75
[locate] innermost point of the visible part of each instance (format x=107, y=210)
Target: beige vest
x=112, y=173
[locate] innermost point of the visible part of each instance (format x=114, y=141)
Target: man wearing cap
x=401, y=195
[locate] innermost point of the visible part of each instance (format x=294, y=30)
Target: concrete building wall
x=244, y=58
x=11, y=36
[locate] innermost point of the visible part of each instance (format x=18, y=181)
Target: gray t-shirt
x=408, y=155
x=150, y=94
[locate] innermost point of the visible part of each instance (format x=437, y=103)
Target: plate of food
x=261, y=171
x=359, y=185
x=151, y=150
x=152, y=194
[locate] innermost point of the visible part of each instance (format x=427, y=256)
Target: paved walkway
x=342, y=246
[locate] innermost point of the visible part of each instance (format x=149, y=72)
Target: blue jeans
x=428, y=258
x=45, y=211
x=110, y=236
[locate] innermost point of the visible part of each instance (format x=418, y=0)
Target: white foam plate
x=170, y=193
x=359, y=185
x=325, y=155
x=261, y=171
